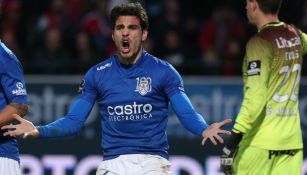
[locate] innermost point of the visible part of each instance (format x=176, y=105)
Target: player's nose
x=125, y=32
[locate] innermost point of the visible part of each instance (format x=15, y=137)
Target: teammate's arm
x=13, y=108
x=12, y=84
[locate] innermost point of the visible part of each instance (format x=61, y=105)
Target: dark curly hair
x=130, y=9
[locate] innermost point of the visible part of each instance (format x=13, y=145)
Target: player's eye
x=119, y=27
x=133, y=27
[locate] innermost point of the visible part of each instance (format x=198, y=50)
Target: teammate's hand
x=213, y=131
x=227, y=158
x=25, y=128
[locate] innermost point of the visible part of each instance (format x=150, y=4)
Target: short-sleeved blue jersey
x=133, y=102
x=12, y=90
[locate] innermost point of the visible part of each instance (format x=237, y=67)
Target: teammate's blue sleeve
x=189, y=118
x=70, y=124
x=12, y=78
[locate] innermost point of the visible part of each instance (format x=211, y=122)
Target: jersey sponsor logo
x=81, y=86
x=104, y=66
x=254, y=68
x=281, y=111
x=143, y=85
x=292, y=55
x=129, y=112
x=284, y=43
x=20, y=89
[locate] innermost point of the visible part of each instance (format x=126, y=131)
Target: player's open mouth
x=126, y=46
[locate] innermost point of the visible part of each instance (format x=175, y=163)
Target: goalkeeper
x=266, y=138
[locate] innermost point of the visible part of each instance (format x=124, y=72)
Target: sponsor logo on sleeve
x=254, y=68
x=20, y=89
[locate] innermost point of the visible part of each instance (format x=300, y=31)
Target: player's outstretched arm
x=194, y=122
x=213, y=131
x=25, y=128
x=68, y=125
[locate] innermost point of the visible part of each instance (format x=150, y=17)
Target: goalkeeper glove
x=229, y=153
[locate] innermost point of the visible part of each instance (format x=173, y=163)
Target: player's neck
x=133, y=59
x=264, y=19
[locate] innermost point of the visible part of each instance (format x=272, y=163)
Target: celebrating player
x=266, y=138
x=133, y=90
x=13, y=100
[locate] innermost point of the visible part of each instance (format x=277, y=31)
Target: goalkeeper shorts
x=252, y=160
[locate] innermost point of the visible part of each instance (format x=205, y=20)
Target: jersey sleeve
x=13, y=82
x=187, y=115
x=173, y=82
x=87, y=88
x=256, y=69
x=70, y=124
x=304, y=41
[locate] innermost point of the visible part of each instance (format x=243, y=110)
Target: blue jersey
x=12, y=90
x=133, y=102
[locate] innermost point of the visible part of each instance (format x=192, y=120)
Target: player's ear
x=144, y=35
x=113, y=35
x=255, y=5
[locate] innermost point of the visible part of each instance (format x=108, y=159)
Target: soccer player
x=13, y=100
x=266, y=138
x=133, y=90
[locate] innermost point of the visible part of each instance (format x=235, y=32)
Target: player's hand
x=227, y=159
x=25, y=128
x=213, y=131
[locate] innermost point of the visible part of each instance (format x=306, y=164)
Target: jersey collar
x=137, y=64
x=272, y=24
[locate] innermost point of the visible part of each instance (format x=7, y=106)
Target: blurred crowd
x=69, y=36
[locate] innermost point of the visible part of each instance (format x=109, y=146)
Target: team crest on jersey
x=143, y=85
x=254, y=68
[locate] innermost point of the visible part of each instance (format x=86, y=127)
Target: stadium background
x=58, y=40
